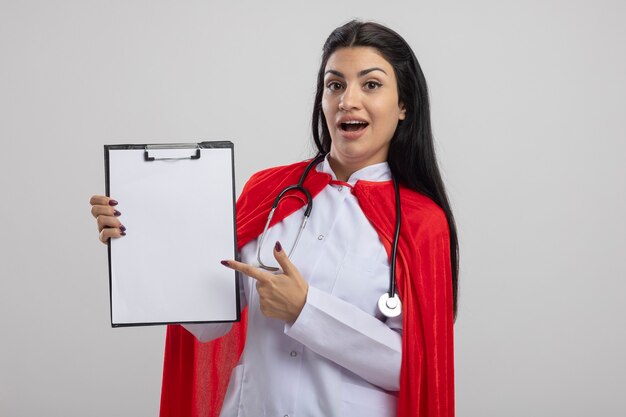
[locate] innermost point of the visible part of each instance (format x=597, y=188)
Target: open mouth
x=353, y=126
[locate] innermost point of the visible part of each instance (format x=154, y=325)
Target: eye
x=334, y=86
x=372, y=85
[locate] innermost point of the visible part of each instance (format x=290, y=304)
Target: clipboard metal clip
x=189, y=146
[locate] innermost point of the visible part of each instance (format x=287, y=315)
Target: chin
x=355, y=152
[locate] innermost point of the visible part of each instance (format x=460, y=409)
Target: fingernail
x=278, y=247
x=117, y=213
x=225, y=263
x=122, y=228
x=123, y=233
x=112, y=203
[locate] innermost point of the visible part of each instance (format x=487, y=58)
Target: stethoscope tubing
x=396, y=239
x=389, y=303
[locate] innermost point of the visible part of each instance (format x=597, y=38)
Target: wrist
x=300, y=304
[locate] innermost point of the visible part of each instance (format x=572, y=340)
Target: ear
x=402, y=114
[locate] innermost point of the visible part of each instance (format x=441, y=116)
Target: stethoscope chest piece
x=390, y=306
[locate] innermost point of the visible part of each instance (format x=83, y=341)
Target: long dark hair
x=411, y=155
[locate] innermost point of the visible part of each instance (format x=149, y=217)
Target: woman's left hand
x=281, y=296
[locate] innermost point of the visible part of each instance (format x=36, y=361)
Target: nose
x=350, y=99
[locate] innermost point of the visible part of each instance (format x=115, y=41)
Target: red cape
x=196, y=375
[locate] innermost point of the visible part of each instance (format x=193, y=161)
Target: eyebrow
x=360, y=73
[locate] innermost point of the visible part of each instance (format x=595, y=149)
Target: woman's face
x=360, y=104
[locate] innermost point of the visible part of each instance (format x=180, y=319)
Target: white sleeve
x=205, y=332
x=350, y=337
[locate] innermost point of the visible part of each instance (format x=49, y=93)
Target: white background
x=528, y=102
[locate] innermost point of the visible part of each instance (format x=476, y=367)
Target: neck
x=342, y=171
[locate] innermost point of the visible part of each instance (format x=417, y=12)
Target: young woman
x=335, y=326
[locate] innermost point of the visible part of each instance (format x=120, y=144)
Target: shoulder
x=422, y=214
x=275, y=175
x=279, y=171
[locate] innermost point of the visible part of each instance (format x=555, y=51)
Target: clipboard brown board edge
x=200, y=145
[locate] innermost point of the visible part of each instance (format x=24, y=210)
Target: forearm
x=350, y=337
x=205, y=332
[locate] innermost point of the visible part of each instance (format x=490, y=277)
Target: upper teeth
x=353, y=122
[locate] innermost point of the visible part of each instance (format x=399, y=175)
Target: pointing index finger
x=251, y=271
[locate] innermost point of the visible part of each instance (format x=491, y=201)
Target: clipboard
x=178, y=205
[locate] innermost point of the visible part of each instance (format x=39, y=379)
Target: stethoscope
x=389, y=303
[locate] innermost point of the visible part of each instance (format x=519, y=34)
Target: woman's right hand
x=103, y=209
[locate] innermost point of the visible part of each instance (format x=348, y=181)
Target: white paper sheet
x=179, y=220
